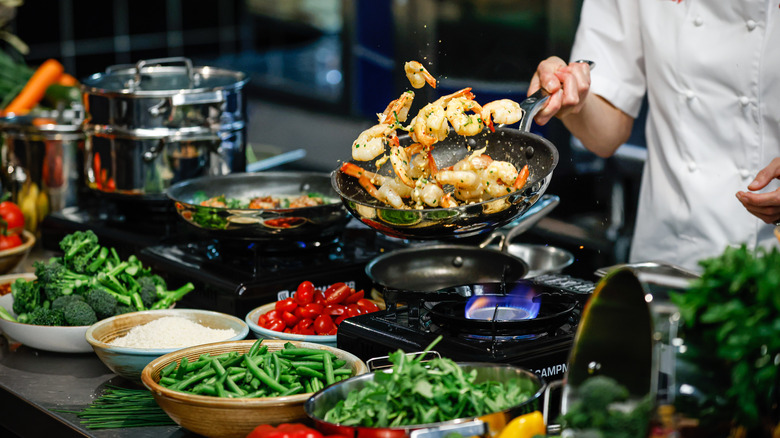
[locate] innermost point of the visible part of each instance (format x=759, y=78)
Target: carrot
x=67, y=80
x=47, y=73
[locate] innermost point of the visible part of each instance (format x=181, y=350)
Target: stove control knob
x=457, y=262
x=593, y=367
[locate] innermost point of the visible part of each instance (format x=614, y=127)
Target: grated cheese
x=171, y=332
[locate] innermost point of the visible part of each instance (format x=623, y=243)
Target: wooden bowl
x=11, y=258
x=231, y=417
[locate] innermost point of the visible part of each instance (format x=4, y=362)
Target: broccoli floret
x=98, y=262
x=123, y=308
x=147, y=290
x=79, y=313
x=599, y=391
x=80, y=263
x=46, y=316
x=61, y=302
x=170, y=297
x=77, y=243
x=27, y=296
x=102, y=302
x=57, y=280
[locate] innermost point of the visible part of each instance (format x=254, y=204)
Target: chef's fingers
x=550, y=109
x=546, y=73
x=766, y=175
x=571, y=94
x=765, y=206
x=581, y=71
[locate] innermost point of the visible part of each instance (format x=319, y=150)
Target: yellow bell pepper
x=524, y=426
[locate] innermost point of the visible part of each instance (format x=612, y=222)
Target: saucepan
x=302, y=223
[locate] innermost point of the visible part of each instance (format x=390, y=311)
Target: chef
x=711, y=73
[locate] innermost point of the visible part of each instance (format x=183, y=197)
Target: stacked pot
x=162, y=121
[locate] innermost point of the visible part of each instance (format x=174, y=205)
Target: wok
x=304, y=223
x=486, y=425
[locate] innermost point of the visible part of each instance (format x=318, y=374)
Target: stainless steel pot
x=485, y=425
x=42, y=162
x=162, y=121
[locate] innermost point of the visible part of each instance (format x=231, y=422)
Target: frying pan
x=304, y=223
x=517, y=146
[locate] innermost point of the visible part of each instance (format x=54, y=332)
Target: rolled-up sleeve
x=609, y=34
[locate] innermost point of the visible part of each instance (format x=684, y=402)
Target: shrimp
x=432, y=195
x=217, y=201
x=461, y=179
x=476, y=161
x=371, y=142
x=499, y=178
x=398, y=110
x=389, y=191
x=430, y=125
x=503, y=111
x=444, y=100
x=462, y=123
x=400, y=161
x=418, y=75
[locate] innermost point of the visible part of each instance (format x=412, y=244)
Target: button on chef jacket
x=711, y=71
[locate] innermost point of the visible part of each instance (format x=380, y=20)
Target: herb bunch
x=732, y=324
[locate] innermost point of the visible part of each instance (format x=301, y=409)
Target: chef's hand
x=568, y=86
x=765, y=206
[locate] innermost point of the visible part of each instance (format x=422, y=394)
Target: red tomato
x=13, y=217
x=319, y=298
x=305, y=293
x=9, y=241
x=338, y=292
x=341, y=318
x=311, y=310
x=286, y=305
x=353, y=310
x=289, y=319
x=367, y=305
x=272, y=314
x=354, y=297
x=304, y=327
x=262, y=320
x=276, y=325
x=299, y=312
x=334, y=309
x=323, y=325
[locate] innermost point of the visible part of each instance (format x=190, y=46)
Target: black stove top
x=411, y=327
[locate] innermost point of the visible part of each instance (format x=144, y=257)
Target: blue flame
x=518, y=304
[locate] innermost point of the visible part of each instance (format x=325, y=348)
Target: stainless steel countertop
x=34, y=382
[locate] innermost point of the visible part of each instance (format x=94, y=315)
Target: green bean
x=167, y=381
x=308, y=372
x=255, y=348
x=342, y=372
x=168, y=369
x=315, y=365
x=194, y=378
x=182, y=368
x=329, y=378
x=260, y=374
x=293, y=390
x=277, y=367
x=307, y=386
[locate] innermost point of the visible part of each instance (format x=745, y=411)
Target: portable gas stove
x=540, y=343
x=235, y=276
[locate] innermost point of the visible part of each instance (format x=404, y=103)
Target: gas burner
x=554, y=310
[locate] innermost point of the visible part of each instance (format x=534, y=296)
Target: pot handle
x=470, y=428
x=531, y=105
x=160, y=61
x=539, y=210
x=552, y=429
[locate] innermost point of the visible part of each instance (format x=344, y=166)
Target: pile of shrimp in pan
x=417, y=182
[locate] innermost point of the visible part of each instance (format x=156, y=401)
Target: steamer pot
x=42, y=162
x=161, y=121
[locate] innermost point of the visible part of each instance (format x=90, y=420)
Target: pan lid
x=163, y=77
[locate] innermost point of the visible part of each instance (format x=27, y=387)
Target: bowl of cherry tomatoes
x=310, y=315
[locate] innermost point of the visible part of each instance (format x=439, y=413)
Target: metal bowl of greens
x=295, y=205
x=438, y=395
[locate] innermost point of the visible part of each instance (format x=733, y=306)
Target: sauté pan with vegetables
x=89, y=282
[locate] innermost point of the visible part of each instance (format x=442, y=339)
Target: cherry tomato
x=289, y=319
x=353, y=310
x=334, y=309
x=305, y=293
x=341, y=318
x=272, y=314
x=262, y=320
x=367, y=305
x=311, y=310
x=10, y=241
x=319, y=298
x=299, y=312
x=286, y=305
x=354, y=297
x=338, y=292
x=323, y=325
x=304, y=327
x=13, y=217
x=276, y=325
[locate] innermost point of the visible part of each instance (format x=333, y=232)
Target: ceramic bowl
x=128, y=362
x=59, y=339
x=11, y=258
x=218, y=417
x=264, y=333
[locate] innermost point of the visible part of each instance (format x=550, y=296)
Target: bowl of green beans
x=226, y=389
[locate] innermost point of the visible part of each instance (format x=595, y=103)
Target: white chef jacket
x=711, y=71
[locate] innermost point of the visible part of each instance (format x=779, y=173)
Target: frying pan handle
x=471, y=428
x=539, y=210
x=552, y=429
x=535, y=102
